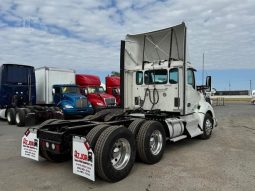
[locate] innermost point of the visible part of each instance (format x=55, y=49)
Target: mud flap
x=30, y=145
x=83, y=158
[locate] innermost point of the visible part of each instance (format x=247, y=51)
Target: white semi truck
x=160, y=101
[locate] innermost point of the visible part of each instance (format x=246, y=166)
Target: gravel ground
x=224, y=162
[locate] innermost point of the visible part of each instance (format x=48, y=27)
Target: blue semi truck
x=29, y=96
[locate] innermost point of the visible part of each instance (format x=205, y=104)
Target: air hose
x=154, y=98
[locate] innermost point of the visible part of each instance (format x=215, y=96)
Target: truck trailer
x=91, y=87
x=160, y=102
x=112, y=84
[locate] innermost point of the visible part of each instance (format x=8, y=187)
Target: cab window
x=155, y=77
x=191, y=78
x=57, y=90
x=173, y=76
x=139, y=78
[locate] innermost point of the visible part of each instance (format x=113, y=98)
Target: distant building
x=234, y=92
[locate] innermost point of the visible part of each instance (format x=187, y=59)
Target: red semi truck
x=112, y=84
x=91, y=87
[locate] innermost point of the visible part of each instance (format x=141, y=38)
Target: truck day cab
x=112, y=84
x=91, y=87
x=160, y=101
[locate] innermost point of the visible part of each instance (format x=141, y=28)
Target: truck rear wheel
x=151, y=141
x=207, y=126
x=10, y=115
x=20, y=117
x=115, y=153
x=94, y=134
x=135, y=126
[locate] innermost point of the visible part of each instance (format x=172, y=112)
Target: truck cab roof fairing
x=162, y=45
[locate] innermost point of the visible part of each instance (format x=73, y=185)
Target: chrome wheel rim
x=121, y=153
x=156, y=142
x=17, y=118
x=208, y=126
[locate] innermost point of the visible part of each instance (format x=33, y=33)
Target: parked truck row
x=30, y=96
x=160, y=102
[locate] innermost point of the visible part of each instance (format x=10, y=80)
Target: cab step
x=175, y=139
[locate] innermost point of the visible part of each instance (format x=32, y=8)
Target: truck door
x=193, y=95
x=175, y=94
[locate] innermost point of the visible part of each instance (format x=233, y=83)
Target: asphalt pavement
x=224, y=162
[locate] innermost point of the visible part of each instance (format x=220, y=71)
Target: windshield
x=155, y=77
x=70, y=89
x=94, y=89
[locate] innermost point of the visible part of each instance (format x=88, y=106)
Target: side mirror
x=213, y=91
x=53, y=91
x=208, y=83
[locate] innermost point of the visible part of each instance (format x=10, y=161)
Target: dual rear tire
x=115, y=151
x=150, y=140
x=115, y=147
x=17, y=116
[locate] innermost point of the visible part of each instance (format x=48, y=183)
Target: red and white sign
x=30, y=145
x=83, y=158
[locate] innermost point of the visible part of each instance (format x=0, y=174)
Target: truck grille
x=110, y=101
x=81, y=103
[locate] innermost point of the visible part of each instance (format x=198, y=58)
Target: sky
x=85, y=35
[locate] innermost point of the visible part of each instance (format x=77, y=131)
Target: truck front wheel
x=207, y=127
x=151, y=141
x=10, y=115
x=115, y=153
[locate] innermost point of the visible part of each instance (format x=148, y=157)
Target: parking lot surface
x=224, y=162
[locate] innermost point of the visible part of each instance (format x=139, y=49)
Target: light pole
x=250, y=87
x=203, y=68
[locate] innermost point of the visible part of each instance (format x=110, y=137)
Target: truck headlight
x=53, y=146
x=100, y=104
x=68, y=106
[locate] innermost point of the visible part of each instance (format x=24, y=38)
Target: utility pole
x=203, y=68
x=229, y=85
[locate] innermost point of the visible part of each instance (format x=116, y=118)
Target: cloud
x=85, y=35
